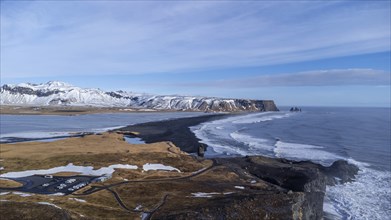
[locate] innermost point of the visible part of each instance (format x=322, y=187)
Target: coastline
x=295, y=188
x=176, y=131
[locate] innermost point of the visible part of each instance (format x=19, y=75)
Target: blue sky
x=319, y=53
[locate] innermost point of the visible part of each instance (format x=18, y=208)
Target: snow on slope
x=56, y=93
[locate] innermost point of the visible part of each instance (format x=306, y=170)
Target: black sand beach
x=176, y=130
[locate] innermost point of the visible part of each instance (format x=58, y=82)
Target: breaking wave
x=368, y=197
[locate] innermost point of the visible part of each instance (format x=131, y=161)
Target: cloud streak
x=335, y=77
x=44, y=38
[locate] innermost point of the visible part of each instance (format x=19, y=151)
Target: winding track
x=95, y=189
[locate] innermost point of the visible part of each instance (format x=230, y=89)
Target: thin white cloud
x=45, y=38
x=334, y=77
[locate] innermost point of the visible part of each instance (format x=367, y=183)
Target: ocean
x=360, y=135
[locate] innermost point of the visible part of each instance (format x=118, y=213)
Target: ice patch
x=48, y=203
x=157, y=166
x=88, y=170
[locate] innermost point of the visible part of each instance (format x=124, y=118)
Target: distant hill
x=56, y=93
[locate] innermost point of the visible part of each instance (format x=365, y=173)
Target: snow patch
x=239, y=187
x=84, y=170
x=158, y=166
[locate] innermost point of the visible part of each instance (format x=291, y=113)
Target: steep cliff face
x=295, y=191
x=251, y=206
x=59, y=94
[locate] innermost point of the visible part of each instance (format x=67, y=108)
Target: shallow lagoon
x=49, y=126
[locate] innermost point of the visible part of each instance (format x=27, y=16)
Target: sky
x=304, y=53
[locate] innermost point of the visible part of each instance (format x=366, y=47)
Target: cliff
x=293, y=190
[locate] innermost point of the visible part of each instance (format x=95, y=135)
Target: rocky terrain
x=62, y=94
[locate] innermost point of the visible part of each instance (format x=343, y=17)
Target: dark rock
x=201, y=150
x=250, y=206
x=340, y=172
x=295, y=109
x=28, y=91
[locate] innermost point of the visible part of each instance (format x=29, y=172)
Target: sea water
x=322, y=135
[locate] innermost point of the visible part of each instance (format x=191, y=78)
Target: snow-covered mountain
x=55, y=93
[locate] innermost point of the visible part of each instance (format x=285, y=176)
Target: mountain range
x=56, y=93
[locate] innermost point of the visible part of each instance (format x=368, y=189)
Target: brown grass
x=88, y=145
x=6, y=183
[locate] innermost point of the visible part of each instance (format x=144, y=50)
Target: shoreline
x=175, y=130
